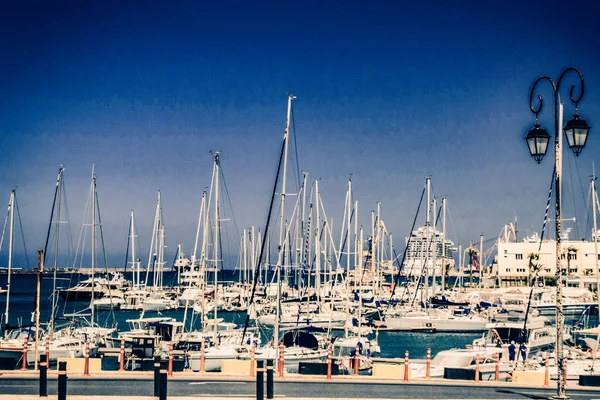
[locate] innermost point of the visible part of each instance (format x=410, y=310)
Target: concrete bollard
x=156, y=376
x=260, y=383
x=477, y=369
x=122, y=356
x=356, y=360
x=428, y=364
x=202, y=356
x=24, y=356
x=162, y=392
x=270, y=379
x=280, y=365
x=329, y=354
x=252, y=361
x=43, y=376
x=497, y=371
x=546, y=373
x=62, y=380
x=170, y=370
x=86, y=363
x=406, y=366
x=47, y=351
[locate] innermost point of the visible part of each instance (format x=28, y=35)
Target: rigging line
x=580, y=186
x=224, y=182
x=128, y=244
x=4, y=229
x=97, y=205
x=424, y=267
x=264, y=242
x=22, y=233
x=297, y=176
x=407, y=244
x=68, y=218
x=572, y=193
x=531, y=258
x=52, y=211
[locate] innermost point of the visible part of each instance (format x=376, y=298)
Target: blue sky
x=390, y=92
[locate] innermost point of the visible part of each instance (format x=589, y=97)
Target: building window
x=572, y=256
x=505, y=251
x=518, y=256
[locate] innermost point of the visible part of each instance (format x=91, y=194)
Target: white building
x=578, y=259
x=424, y=247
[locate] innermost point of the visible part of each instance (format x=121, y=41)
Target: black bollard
x=269, y=379
x=260, y=382
x=163, y=381
x=62, y=380
x=156, y=375
x=43, y=376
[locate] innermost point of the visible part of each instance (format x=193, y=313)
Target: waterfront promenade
x=188, y=385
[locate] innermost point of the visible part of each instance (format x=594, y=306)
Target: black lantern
x=577, y=132
x=537, y=142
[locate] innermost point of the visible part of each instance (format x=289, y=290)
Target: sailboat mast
x=136, y=271
x=443, y=271
x=282, y=219
x=11, y=210
x=434, y=238
x=93, y=243
x=57, y=228
x=216, y=244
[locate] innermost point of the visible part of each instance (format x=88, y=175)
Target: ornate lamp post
x=576, y=131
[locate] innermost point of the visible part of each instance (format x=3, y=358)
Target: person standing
x=512, y=350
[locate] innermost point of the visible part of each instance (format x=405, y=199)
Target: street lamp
x=537, y=139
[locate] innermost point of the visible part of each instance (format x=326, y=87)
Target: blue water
x=22, y=303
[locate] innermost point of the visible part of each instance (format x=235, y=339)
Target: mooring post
x=497, y=372
x=47, y=351
x=477, y=369
x=170, y=370
x=428, y=365
x=122, y=355
x=270, y=379
x=43, y=376
x=260, y=383
x=202, y=356
x=24, y=356
x=329, y=354
x=406, y=366
x=163, y=382
x=62, y=380
x=86, y=362
x=280, y=365
x=546, y=373
x=356, y=361
x=156, y=376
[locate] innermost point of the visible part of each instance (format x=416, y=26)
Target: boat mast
x=427, y=241
x=282, y=219
x=216, y=244
x=434, y=239
x=59, y=190
x=93, y=243
x=136, y=271
x=443, y=245
x=595, y=207
x=11, y=210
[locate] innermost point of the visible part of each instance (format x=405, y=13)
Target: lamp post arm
x=537, y=110
x=572, y=89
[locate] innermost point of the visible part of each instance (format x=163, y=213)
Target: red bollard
x=24, y=356
x=280, y=365
x=122, y=356
x=546, y=374
x=329, y=351
x=565, y=369
x=170, y=367
x=86, y=364
x=497, y=374
x=428, y=365
x=47, y=350
x=406, y=366
x=356, y=361
x=477, y=369
x=252, y=361
x=202, y=356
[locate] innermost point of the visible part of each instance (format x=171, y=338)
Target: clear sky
x=390, y=92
